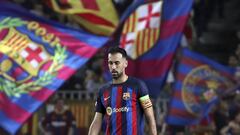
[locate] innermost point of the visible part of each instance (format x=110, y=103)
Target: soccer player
x=123, y=101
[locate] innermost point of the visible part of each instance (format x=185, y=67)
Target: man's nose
x=113, y=66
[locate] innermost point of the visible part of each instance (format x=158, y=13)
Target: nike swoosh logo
x=106, y=98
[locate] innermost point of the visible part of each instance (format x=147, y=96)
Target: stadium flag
x=97, y=16
x=36, y=57
x=150, y=36
x=199, y=84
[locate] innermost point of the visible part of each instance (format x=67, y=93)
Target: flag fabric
x=157, y=46
x=97, y=16
x=36, y=57
x=199, y=84
x=141, y=29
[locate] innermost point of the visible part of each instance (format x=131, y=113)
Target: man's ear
x=126, y=63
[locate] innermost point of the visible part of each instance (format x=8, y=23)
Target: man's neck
x=122, y=79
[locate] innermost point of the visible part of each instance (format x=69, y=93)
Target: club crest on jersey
x=109, y=111
x=22, y=56
x=126, y=96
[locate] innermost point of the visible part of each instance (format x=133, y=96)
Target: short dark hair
x=116, y=49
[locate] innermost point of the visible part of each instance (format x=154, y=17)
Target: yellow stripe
x=106, y=11
x=24, y=128
x=128, y=25
x=151, y=37
x=147, y=38
x=93, y=27
x=35, y=124
x=132, y=18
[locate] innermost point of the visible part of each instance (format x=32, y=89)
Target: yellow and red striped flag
x=96, y=16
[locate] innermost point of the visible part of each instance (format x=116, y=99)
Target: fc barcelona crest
x=22, y=58
x=142, y=29
x=126, y=96
x=207, y=83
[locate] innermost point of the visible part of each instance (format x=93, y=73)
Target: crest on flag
x=207, y=83
x=24, y=51
x=23, y=58
x=141, y=30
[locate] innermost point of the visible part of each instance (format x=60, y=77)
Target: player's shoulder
x=105, y=86
x=135, y=81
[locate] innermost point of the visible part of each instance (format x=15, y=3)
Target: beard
x=116, y=75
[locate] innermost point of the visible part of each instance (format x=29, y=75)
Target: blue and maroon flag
x=200, y=82
x=36, y=57
x=150, y=36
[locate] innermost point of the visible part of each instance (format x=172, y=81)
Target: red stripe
x=195, y=63
x=177, y=95
x=181, y=113
x=65, y=72
x=46, y=66
x=13, y=111
x=3, y=34
x=90, y=4
x=106, y=95
x=127, y=25
x=95, y=19
x=42, y=95
x=17, y=72
x=119, y=115
x=64, y=1
x=191, y=62
x=11, y=41
x=171, y=27
x=73, y=44
x=158, y=67
x=22, y=44
x=134, y=113
x=181, y=76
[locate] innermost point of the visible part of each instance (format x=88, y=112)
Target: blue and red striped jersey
x=120, y=103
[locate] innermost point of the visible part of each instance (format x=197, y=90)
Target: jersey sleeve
x=143, y=90
x=99, y=105
x=144, y=96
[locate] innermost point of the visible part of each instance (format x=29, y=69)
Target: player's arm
x=148, y=111
x=95, y=127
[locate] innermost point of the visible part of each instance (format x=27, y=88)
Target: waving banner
x=151, y=35
x=36, y=57
x=200, y=83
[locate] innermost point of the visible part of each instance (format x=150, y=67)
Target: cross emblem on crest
x=141, y=30
x=148, y=17
x=34, y=54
